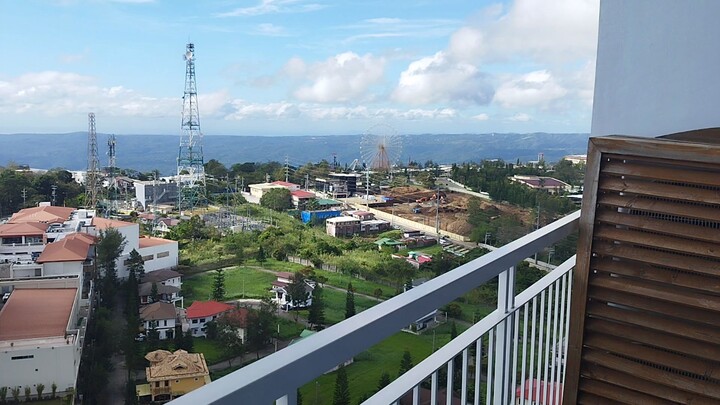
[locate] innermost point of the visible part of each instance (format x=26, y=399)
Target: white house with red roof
x=201, y=312
x=300, y=198
x=549, y=184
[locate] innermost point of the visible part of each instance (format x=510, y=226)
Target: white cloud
x=520, y=117
x=342, y=78
x=534, y=89
x=481, y=117
x=273, y=7
x=440, y=79
x=53, y=93
x=270, y=30
x=548, y=31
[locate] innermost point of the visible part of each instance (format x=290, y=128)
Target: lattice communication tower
x=190, y=169
x=92, y=175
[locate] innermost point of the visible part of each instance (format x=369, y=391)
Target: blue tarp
x=307, y=216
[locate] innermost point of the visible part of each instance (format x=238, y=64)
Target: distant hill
x=148, y=152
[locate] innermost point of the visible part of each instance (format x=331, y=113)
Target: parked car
x=140, y=337
x=6, y=297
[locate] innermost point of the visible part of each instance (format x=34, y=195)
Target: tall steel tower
x=112, y=183
x=92, y=176
x=190, y=169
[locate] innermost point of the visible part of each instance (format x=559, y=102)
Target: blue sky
x=299, y=67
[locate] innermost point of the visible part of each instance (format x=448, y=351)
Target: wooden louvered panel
x=633, y=383
x=645, y=315
x=684, y=209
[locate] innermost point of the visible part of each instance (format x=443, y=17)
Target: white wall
x=156, y=263
x=62, y=268
x=58, y=364
x=657, y=67
x=162, y=327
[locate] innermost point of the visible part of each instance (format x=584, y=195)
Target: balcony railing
x=515, y=353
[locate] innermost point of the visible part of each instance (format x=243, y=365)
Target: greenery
x=108, y=249
x=349, y=302
x=277, y=199
x=316, y=313
x=341, y=394
x=218, y=287
x=239, y=282
x=406, y=363
x=38, y=187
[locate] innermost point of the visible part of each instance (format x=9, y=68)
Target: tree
x=228, y=336
x=136, y=264
x=28, y=393
x=218, y=289
x=297, y=290
x=278, y=199
x=342, y=388
x=384, y=380
x=108, y=249
x=15, y=392
x=406, y=363
x=53, y=389
x=187, y=343
x=261, y=325
x=3, y=393
x=40, y=387
x=154, y=292
x=316, y=314
x=261, y=256
x=349, y=302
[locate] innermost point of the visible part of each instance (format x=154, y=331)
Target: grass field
x=335, y=306
x=212, y=349
x=364, y=373
x=239, y=282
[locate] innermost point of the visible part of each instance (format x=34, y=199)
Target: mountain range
x=149, y=152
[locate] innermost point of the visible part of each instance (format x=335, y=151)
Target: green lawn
x=365, y=372
x=335, y=305
x=212, y=349
x=360, y=286
x=254, y=284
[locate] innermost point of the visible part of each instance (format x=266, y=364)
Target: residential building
x=41, y=336
x=160, y=316
x=258, y=190
x=549, y=184
x=238, y=319
x=290, y=186
x=171, y=375
x=199, y=313
x=44, y=213
x=73, y=254
x=342, y=226
x=301, y=198
x=21, y=242
x=281, y=292
x=576, y=159
x=168, y=282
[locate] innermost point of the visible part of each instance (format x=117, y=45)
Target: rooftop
x=342, y=219
x=157, y=311
x=36, y=313
x=302, y=194
x=104, y=223
x=160, y=275
x=46, y=213
x=179, y=364
x=23, y=229
x=145, y=289
x=148, y=241
x=285, y=184
x=71, y=248
x=201, y=309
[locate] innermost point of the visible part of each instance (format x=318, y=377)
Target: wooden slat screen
x=645, y=318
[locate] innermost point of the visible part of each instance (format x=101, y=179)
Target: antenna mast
x=92, y=176
x=190, y=169
x=112, y=184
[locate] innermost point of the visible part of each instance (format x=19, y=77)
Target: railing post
x=289, y=399
x=504, y=338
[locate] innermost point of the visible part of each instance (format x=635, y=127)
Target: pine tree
x=154, y=292
x=349, y=302
x=342, y=388
x=384, y=380
x=136, y=264
x=406, y=363
x=218, y=289
x=316, y=314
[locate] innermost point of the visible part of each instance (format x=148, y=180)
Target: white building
x=202, y=312
x=281, y=292
x=41, y=336
x=160, y=316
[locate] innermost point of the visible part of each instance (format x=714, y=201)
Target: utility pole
x=54, y=193
x=287, y=168
x=24, y=196
x=437, y=213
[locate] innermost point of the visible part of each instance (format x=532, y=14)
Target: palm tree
x=40, y=388
x=3, y=393
x=53, y=387
x=15, y=391
x=28, y=392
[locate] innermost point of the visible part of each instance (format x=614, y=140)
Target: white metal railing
x=277, y=377
x=515, y=355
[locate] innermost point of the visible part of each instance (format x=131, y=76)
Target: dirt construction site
x=421, y=205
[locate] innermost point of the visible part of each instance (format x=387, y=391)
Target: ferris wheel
x=380, y=147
